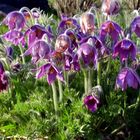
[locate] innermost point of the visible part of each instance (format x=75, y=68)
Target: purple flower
x=91, y=103
x=38, y=50
x=15, y=37
x=36, y=32
x=135, y=26
x=71, y=62
x=51, y=71
x=124, y=49
x=96, y=42
x=66, y=22
x=63, y=42
x=87, y=23
x=15, y=20
x=110, y=7
x=27, y=15
x=73, y=38
x=3, y=78
x=110, y=28
x=88, y=53
x=127, y=78
x=9, y=52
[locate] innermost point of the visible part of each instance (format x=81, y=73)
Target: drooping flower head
x=36, y=32
x=91, y=102
x=3, y=78
x=39, y=50
x=73, y=38
x=15, y=20
x=125, y=49
x=135, y=26
x=63, y=42
x=51, y=71
x=15, y=37
x=71, y=62
x=88, y=53
x=96, y=42
x=110, y=28
x=67, y=22
x=9, y=52
x=87, y=23
x=127, y=78
x=111, y=7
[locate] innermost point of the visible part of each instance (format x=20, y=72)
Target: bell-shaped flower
x=36, y=32
x=91, y=102
x=73, y=38
x=87, y=52
x=110, y=28
x=71, y=62
x=15, y=20
x=87, y=22
x=9, y=53
x=96, y=42
x=127, y=78
x=67, y=22
x=15, y=37
x=51, y=71
x=111, y=7
x=3, y=78
x=39, y=50
x=135, y=26
x=124, y=49
x=62, y=43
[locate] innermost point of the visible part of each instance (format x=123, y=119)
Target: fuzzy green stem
x=99, y=73
x=89, y=80
x=108, y=69
x=66, y=76
x=22, y=56
x=60, y=91
x=55, y=100
x=85, y=81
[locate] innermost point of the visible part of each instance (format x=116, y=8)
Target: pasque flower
x=91, y=102
x=36, y=32
x=127, y=78
x=111, y=7
x=15, y=20
x=135, y=25
x=124, y=49
x=51, y=71
x=15, y=37
x=67, y=22
x=71, y=62
x=39, y=49
x=63, y=42
x=96, y=42
x=3, y=78
x=87, y=53
x=87, y=22
x=110, y=28
x=9, y=53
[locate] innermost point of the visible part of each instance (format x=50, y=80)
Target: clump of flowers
x=76, y=44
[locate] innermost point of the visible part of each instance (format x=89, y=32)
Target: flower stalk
x=60, y=91
x=22, y=56
x=85, y=81
x=89, y=80
x=55, y=99
x=99, y=73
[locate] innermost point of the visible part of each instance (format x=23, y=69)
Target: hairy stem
x=85, y=81
x=99, y=73
x=55, y=100
x=60, y=91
